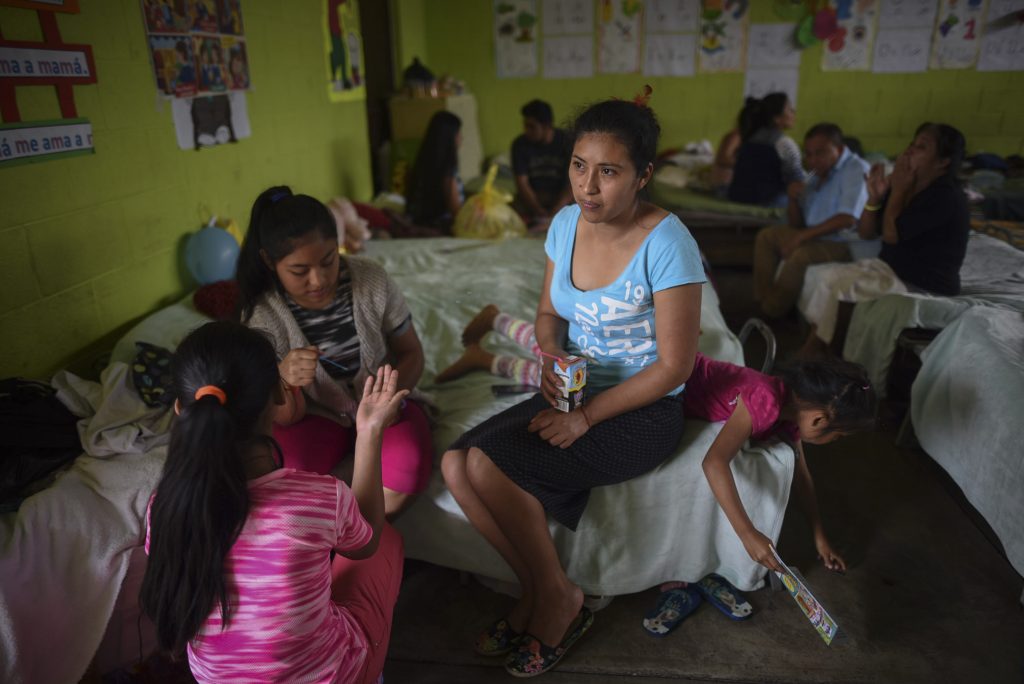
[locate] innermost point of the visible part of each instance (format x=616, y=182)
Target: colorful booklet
x=815, y=612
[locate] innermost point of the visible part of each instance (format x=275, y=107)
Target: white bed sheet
x=966, y=407
x=67, y=549
x=992, y=275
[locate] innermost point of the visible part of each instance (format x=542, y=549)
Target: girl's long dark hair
x=436, y=160
x=202, y=500
x=840, y=388
x=278, y=220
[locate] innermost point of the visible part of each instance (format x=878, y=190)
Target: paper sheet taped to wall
x=1002, y=46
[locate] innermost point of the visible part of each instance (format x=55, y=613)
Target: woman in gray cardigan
x=333, y=321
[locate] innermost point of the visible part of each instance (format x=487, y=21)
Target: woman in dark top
x=921, y=212
x=767, y=160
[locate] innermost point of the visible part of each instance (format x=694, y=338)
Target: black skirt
x=614, y=451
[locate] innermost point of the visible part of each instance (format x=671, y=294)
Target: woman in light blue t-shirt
x=622, y=287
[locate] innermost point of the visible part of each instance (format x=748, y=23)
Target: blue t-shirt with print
x=613, y=326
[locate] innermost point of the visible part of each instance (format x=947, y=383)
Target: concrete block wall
x=90, y=243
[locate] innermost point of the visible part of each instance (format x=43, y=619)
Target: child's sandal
x=674, y=606
x=725, y=597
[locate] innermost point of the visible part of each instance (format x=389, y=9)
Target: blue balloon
x=211, y=255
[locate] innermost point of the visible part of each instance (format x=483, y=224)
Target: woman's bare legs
x=453, y=467
x=523, y=524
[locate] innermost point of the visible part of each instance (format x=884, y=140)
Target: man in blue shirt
x=822, y=222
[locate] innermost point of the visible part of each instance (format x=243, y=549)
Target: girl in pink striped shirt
x=240, y=572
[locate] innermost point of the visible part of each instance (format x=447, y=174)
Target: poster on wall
x=850, y=47
x=515, y=38
x=902, y=50
x=672, y=16
x=897, y=14
x=670, y=54
x=210, y=120
x=568, y=57
x=344, y=51
x=618, y=36
x=1002, y=46
x=670, y=37
x=196, y=46
x=957, y=37
x=568, y=17
x=760, y=82
x=723, y=35
x=773, y=61
x=568, y=49
x=904, y=36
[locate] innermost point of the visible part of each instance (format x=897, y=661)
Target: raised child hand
x=760, y=549
x=831, y=559
x=381, y=401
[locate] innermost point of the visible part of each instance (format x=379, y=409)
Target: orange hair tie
x=644, y=96
x=213, y=390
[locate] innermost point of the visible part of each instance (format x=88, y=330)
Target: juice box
x=572, y=371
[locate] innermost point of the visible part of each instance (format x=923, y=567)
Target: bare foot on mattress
x=481, y=324
x=553, y=615
x=473, y=358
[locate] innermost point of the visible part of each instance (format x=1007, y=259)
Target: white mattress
x=992, y=275
x=966, y=406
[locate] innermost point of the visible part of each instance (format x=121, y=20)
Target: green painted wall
x=881, y=109
x=408, y=19
x=91, y=243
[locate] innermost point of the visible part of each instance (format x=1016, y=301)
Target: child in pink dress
x=810, y=401
x=240, y=571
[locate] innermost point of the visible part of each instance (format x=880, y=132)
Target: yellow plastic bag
x=488, y=214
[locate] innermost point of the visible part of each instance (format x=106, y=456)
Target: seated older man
x=822, y=221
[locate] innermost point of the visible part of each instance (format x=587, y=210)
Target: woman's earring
x=177, y=407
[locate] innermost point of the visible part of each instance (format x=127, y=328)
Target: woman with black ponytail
x=333, y=320
x=768, y=160
x=240, y=572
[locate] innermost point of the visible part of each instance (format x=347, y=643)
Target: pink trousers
x=368, y=588
x=316, y=444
